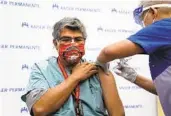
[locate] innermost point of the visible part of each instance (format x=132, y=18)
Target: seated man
x=67, y=85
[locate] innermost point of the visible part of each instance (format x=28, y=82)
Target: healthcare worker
x=154, y=39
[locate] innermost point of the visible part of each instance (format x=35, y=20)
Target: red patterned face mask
x=70, y=53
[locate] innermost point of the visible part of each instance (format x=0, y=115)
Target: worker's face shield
x=138, y=13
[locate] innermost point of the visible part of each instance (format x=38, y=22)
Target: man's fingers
x=91, y=66
x=93, y=72
x=85, y=64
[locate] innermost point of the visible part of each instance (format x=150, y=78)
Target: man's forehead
x=66, y=31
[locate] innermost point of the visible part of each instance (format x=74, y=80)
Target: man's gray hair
x=146, y=3
x=71, y=23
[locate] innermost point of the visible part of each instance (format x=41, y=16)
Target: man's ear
x=154, y=12
x=55, y=43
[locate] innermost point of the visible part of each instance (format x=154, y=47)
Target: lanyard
x=76, y=92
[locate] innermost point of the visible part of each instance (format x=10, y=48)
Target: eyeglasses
x=67, y=39
x=138, y=12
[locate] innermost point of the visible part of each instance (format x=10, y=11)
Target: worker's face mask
x=71, y=52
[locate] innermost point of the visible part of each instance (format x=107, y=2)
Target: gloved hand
x=103, y=66
x=124, y=70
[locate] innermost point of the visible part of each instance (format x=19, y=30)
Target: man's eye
x=79, y=39
x=65, y=39
x=68, y=39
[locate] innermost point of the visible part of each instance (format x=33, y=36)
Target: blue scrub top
x=155, y=39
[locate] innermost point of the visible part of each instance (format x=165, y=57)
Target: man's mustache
x=72, y=48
